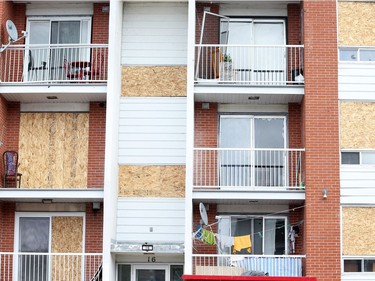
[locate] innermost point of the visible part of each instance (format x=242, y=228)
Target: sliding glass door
x=251, y=151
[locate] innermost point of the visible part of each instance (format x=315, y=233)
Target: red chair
x=11, y=164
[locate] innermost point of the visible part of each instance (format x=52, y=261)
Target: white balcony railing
x=249, y=169
x=50, y=267
x=249, y=64
x=55, y=63
x=238, y=264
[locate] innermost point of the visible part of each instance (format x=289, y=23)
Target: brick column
x=321, y=140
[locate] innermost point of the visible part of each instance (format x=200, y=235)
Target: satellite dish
x=12, y=30
x=203, y=212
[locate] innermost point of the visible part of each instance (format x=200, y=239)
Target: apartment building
x=226, y=116
x=356, y=142
x=203, y=138
x=53, y=114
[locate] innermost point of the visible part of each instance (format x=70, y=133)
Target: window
x=33, y=240
x=46, y=61
x=359, y=265
x=258, y=158
x=356, y=54
x=268, y=235
x=358, y=158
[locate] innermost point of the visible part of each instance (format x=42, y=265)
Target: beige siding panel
x=356, y=23
x=358, y=231
x=357, y=125
x=53, y=150
x=67, y=236
x=154, y=81
x=152, y=181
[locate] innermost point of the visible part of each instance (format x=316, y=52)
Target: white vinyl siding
x=356, y=80
x=152, y=131
x=357, y=184
x=154, y=34
x=150, y=220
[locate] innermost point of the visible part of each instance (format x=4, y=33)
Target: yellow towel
x=242, y=242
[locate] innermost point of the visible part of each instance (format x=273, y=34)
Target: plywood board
x=152, y=181
x=356, y=23
x=67, y=237
x=358, y=231
x=154, y=81
x=54, y=150
x=357, y=125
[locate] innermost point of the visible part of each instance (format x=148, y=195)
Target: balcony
x=68, y=63
x=232, y=169
x=278, y=265
x=271, y=74
x=44, y=266
x=249, y=64
x=54, y=69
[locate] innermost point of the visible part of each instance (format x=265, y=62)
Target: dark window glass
x=369, y=265
x=352, y=266
x=350, y=158
x=124, y=272
x=176, y=272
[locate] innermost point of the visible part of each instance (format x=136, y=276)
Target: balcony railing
x=48, y=267
x=248, y=169
x=249, y=64
x=55, y=63
x=238, y=264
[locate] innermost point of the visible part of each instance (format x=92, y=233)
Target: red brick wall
x=294, y=24
x=294, y=125
x=205, y=126
x=100, y=24
x=94, y=229
x=7, y=219
x=95, y=171
x=211, y=27
x=321, y=140
x=12, y=131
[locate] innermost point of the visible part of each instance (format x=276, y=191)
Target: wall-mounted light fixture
x=96, y=206
x=325, y=193
x=205, y=105
x=47, y=201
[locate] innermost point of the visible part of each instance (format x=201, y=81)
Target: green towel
x=208, y=237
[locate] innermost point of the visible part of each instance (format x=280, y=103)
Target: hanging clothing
x=208, y=237
x=242, y=242
x=198, y=233
x=224, y=241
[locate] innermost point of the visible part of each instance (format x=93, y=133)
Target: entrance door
x=150, y=273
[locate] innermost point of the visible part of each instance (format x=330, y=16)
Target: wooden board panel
x=358, y=231
x=356, y=23
x=357, y=124
x=152, y=181
x=67, y=237
x=154, y=81
x=53, y=150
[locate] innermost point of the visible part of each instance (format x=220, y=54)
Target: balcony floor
x=77, y=92
x=240, y=94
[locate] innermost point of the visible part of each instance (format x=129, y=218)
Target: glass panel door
x=37, y=57
x=235, y=163
x=269, y=62
x=274, y=236
x=33, y=238
x=270, y=162
x=150, y=273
